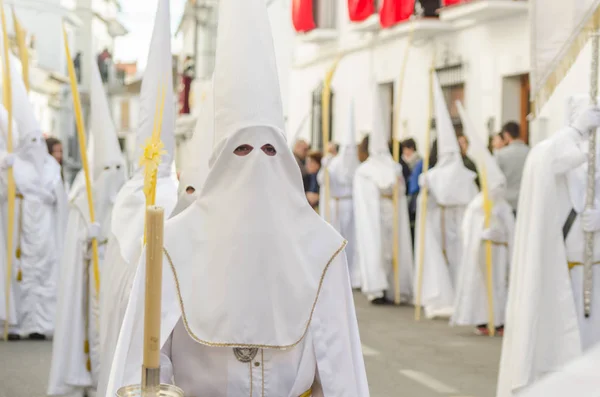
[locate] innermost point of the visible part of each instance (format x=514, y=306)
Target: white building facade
x=480, y=50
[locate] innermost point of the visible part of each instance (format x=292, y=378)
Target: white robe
x=341, y=212
x=40, y=242
x=374, y=219
x=122, y=256
x=15, y=285
x=329, y=355
x=471, y=296
x=578, y=378
x=451, y=188
x=544, y=325
x=77, y=318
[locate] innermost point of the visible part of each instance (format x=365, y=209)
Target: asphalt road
x=403, y=358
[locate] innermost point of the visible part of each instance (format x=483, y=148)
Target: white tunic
x=77, y=319
x=451, y=188
x=122, y=255
x=374, y=212
x=15, y=285
x=41, y=239
x=544, y=325
x=578, y=378
x=341, y=212
x=328, y=357
x=471, y=297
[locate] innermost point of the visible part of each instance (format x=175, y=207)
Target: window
x=317, y=116
x=451, y=79
x=428, y=8
x=324, y=12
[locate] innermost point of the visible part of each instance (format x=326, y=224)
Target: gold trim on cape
x=245, y=345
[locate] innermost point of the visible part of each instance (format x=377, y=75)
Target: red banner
x=359, y=10
x=447, y=3
x=395, y=11
x=302, y=15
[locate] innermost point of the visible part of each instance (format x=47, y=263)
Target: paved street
x=404, y=358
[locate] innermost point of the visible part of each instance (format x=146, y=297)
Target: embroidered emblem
x=245, y=355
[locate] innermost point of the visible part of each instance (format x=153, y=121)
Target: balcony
x=477, y=11
x=324, y=14
x=370, y=24
x=421, y=28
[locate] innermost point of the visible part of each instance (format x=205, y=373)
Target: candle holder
x=163, y=391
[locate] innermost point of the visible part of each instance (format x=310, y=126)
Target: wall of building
x=492, y=53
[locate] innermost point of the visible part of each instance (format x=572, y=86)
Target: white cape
x=341, y=211
x=78, y=313
x=542, y=332
x=122, y=256
x=578, y=378
x=451, y=189
x=471, y=300
x=336, y=345
x=374, y=217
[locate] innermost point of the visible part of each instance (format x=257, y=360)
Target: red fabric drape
x=447, y=3
x=359, y=10
x=184, y=95
x=395, y=11
x=302, y=15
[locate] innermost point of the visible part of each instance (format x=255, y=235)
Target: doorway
x=515, y=102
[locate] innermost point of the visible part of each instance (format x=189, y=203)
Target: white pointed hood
x=380, y=167
x=108, y=164
x=447, y=143
x=158, y=76
x=344, y=165
x=4, y=128
x=449, y=180
x=78, y=184
x=250, y=254
x=107, y=151
x=201, y=146
x=31, y=145
x=480, y=153
x=255, y=99
x=131, y=202
x=378, y=142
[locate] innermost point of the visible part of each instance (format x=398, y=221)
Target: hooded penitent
x=194, y=173
x=545, y=323
x=452, y=187
x=341, y=177
x=12, y=311
x=77, y=315
x=250, y=264
x=42, y=215
x=450, y=182
x=131, y=202
x=128, y=217
x=374, y=185
x=471, y=301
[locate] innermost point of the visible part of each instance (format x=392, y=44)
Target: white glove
x=587, y=121
x=493, y=234
x=590, y=220
x=423, y=181
x=93, y=231
x=8, y=160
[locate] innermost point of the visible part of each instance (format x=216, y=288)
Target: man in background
x=55, y=149
x=300, y=153
x=511, y=160
x=463, y=142
x=409, y=153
